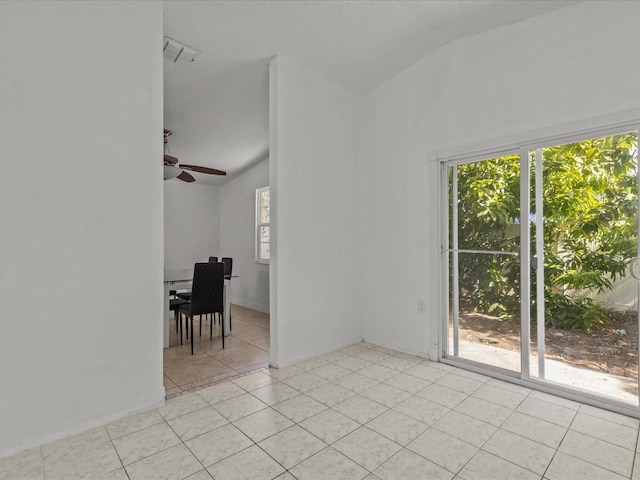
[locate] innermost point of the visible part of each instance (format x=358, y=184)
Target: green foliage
x=590, y=228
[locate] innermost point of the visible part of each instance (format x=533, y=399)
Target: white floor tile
x=282, y=373
x=566, y=467
x=443, y=449
x=519, y=450
x=442, y=395
x=275, y=393
x=535, y=429
x=426, y=372
x=249, y=464
x=254, y=380
x=138, y=445
x=605, y=430
x=604, y=454
x=330, y=394
x=484, y=466
x=484, y=410
x=292, y=446
x=360, y=409
x=561, y=402
x=201, y=475
x=174, y=463
x=328, y=465
x=500, y=396
x=262, y=424
x=397, y=427
x=547, y=411
x=240, y=406
x=181, y=405
x=408, y=383
x=330, y=372
x=422, y=410
x=196, y=423
x=134, y=423
x=304, y=382
x=397, y=363
x=352, y=363
x=330, y=425
x=407, y=465
x=356, y=382
x=27, y=465
x=460, y=383
x=367, y=448
x=300, y=408
x=386, y=394
x=218, y=444
x=610, y=416
x=220, y=392
x=378, y=372
x=466, y=428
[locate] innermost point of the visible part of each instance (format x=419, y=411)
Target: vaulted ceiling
x=217, y=106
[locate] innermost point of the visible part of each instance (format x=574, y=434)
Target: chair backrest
x=207, y=291
x=213, y=259
x=228, y=266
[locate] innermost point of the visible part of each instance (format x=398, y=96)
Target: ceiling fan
x=172, y=169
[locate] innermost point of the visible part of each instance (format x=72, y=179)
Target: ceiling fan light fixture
x=171, y=172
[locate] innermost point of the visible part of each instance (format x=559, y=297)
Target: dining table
x=181, y=279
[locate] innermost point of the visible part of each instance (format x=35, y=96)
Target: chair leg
x=192, y=334
x=181, y=329
x=213, y=316
x=200, y=325
x=222, y=325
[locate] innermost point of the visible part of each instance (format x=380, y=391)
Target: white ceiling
x=217, y=106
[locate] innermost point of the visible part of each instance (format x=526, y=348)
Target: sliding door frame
x=527, y=145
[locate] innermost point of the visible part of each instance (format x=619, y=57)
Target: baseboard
x=155, y=402
x=301, y=358
x=259, y=307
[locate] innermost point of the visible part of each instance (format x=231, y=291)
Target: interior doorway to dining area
x=245, y=350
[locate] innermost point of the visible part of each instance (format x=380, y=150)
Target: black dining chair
x=207, y=297
x=228, y=268
x=187, y=295
x=174, y=306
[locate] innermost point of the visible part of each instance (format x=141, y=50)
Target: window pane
x=264, y=234
x=264, y=251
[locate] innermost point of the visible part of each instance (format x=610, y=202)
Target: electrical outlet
x=422, y=306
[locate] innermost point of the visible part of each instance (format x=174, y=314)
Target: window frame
x=259, y=225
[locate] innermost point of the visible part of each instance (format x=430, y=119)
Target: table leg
x=167, y=317
x=227, y=306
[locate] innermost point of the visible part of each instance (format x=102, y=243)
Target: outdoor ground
x=610, y=349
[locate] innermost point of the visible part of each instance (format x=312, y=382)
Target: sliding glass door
x=584, y=237
x=540, y=254
x=484, y=261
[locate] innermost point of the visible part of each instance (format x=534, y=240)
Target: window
x=263, y=224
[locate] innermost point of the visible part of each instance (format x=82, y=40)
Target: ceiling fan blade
x=169, y=160
x=185, y=177
x=196, y=168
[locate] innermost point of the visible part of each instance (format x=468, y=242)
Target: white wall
x=317, y=278
x=238, y=234
x=191, y=223
x=81, y=216
x=568, y=66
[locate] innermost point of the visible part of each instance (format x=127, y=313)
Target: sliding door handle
x=633, y=270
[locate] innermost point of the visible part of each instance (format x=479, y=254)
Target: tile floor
x=246, y=350
x=362, y=412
